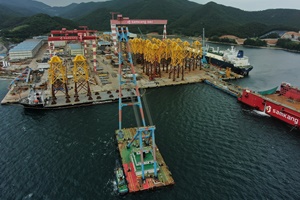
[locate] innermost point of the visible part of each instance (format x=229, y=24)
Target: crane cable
x=136, y=113
x=134, y=107
x=147, y=107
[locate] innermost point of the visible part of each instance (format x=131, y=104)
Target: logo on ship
x=282, y=114
x=268, y=109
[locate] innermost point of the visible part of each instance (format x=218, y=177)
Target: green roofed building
x=135, y=158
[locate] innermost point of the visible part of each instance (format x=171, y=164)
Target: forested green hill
x=36, y=25
x=184, y=17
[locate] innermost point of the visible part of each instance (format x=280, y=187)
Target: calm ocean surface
x=214, y=146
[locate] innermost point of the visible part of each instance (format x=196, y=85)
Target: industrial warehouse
x=27, y=49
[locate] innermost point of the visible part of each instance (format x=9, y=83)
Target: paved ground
x=106, y=78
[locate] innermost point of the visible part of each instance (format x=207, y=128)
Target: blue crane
x=143, y=131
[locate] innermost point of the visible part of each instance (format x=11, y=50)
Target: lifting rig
x=144, y=133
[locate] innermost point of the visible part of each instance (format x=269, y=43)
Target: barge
x=132, y=164
x=228, y=88
x=38, y=100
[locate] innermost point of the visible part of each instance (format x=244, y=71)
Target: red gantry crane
x=126, y=21
x=77, y=35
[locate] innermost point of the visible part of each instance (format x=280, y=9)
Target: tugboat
x=121, y=183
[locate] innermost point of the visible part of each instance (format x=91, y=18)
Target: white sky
x=248, y=5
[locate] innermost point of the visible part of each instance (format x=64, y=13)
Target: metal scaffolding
x=81, y=77
x=58, y=78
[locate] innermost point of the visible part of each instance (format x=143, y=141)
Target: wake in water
x=260, y=113
x=28, y=196
x=257, y=113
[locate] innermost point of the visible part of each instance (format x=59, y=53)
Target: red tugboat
x=283, y=104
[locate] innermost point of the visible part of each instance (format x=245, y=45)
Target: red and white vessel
x=283, y=104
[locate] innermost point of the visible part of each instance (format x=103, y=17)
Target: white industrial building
x=104, y=43
x=75, y=49
x=294, y=36
x=26, y=49
x=59, y=43
x=132, y=35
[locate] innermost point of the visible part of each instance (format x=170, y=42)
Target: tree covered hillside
x=184, y=17
x=189, y=18
x=39, y=24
